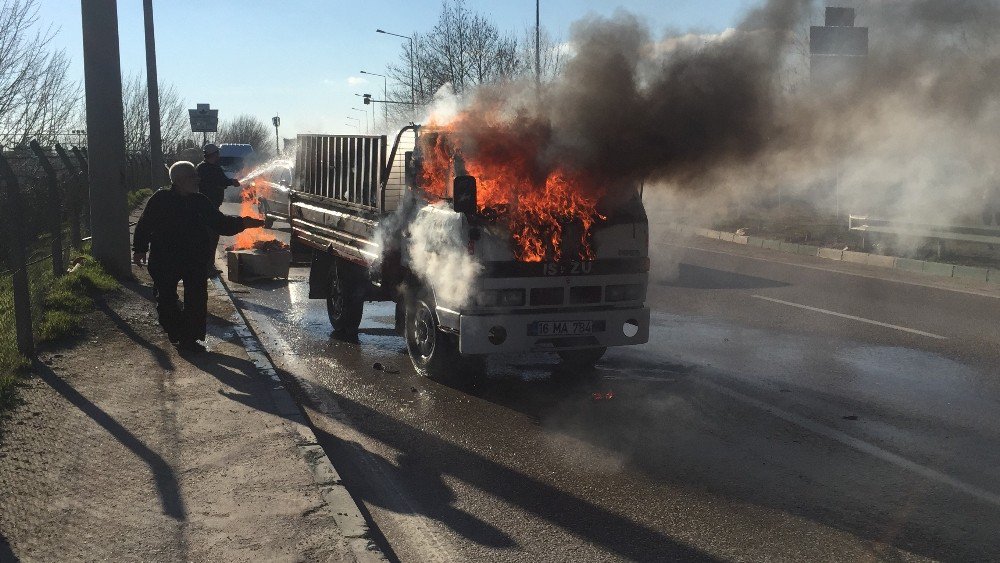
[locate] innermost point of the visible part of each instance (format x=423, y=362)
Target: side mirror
x=411, y=169
x=464, y=195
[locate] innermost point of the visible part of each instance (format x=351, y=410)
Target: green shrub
x=136, y=198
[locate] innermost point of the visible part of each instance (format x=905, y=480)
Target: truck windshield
x=231, y=162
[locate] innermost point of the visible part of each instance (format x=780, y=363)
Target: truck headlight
x=500, y=298
x=625, y=292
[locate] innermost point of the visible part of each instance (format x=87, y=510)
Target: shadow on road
x=676, y=431
x=163, y=474
x=6, y=553
x=158, y=354
x=424, y=471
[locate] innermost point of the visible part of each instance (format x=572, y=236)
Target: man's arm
x=226, y=224
x=146, y=225
x=144, y=229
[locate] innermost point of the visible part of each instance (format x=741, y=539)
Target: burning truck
x=481, y=252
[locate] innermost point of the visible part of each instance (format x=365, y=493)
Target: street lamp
x=276, y=121
x=355, y=125
x=385, y=95
x=412, y=86
x=366, y=118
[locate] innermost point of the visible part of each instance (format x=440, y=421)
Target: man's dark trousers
x=187, y=323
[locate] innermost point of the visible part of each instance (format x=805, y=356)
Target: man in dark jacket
x=212, y=181
x=177, y=228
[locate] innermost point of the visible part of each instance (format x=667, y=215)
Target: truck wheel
x=582, y=360
x=434, y=353
x=265, y=210
x=345, y=302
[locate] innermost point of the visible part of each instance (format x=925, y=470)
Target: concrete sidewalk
x=124, y=450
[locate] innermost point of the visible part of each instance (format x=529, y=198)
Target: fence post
x=55, y=208
x=81, y=157
x=18, y=262
x=72, y=197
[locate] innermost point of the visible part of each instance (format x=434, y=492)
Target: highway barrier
x=989, y=275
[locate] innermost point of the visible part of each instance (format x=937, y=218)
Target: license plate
x=560, y=328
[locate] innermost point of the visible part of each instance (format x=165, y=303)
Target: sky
x=300, y=59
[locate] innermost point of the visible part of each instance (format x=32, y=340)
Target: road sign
x=203, y=119
x=276, y=121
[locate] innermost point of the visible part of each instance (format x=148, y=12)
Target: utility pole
x=105, y=135
x=157, y=172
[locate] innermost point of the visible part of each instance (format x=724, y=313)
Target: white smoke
x=437, y=254
x=430, y=240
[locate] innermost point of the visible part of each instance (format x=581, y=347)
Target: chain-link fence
x=44, y=220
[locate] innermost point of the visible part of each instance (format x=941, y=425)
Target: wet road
x=781, y=411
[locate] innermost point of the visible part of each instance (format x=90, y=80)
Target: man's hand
x=252, y=223
x=139, y=258
x=236, y=182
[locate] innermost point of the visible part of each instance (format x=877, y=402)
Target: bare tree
x=173, y=116
x=551, y=56
x=251, y=130
x=463, y=49
x=37, y=99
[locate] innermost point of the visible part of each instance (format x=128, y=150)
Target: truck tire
x=434, y=353
x=346, y=299
x=582, y=360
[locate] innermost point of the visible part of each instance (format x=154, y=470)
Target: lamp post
x=366, y=118
x=412, y=86
x=385, y=95
x=277, y=145
x=355, y=125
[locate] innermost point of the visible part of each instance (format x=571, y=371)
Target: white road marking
x=852, y=317
x=855, y=443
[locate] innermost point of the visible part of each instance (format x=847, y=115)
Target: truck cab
x=449, y=263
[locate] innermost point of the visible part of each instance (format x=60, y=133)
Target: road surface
x=785, y=408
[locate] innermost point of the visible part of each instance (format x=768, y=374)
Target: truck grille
x=551, y=296
x=585, y=294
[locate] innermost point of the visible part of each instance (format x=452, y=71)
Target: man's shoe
x=191, y=347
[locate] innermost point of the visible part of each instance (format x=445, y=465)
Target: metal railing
x=866, y=224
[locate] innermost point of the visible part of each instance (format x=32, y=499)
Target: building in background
x=838, y=50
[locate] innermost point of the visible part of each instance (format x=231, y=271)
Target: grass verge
x=136, y=198
x=57, y=306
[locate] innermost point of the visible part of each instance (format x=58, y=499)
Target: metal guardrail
x=866, y=224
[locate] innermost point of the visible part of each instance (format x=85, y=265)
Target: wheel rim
x=336, y=299
x=423, y=331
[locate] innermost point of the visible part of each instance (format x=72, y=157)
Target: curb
x=354, y=527
x=940, y=269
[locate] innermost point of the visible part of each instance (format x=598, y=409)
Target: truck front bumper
x=491, y=334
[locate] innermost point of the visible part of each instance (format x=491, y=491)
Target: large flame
x=548, y=209
x=253, y=188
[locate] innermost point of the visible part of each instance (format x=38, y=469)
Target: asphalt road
x=785, y=408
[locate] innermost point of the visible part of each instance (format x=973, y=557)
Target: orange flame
x=253, y=189
x=542, y=206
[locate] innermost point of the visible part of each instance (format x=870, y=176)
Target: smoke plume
x=736, y=116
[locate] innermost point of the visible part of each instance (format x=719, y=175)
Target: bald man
x=177, y=229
